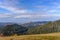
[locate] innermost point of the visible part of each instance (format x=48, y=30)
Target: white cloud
x=40, y=13
x=14, y=10
x=51, y=10
x=4, y=16
x=12, y=5
x=9, y=2
x=32, y=16
x=23, y=16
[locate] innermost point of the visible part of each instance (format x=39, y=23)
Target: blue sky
x=29, y=10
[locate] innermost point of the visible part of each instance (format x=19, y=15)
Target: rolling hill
x=32, y=28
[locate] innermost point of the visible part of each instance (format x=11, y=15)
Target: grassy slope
x=52, y=36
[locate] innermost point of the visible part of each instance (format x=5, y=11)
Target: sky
x=29, y=10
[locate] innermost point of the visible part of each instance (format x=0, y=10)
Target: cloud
x=29, y=16
x=9, y=2
x=13, y=6
x=4, y=15
x=14, y=10
x=38, y=12
x=36, y=16
x=23, y=16
x=55, y=9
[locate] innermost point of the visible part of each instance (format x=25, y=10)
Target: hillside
x=50, y=27
x=47, y=31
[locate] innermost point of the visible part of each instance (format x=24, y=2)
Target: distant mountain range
x=32, y=24
x=29, y=24
x=2, y=24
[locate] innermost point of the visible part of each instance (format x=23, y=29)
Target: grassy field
x=52, y=36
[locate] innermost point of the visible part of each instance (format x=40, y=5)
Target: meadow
x=51, y=36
